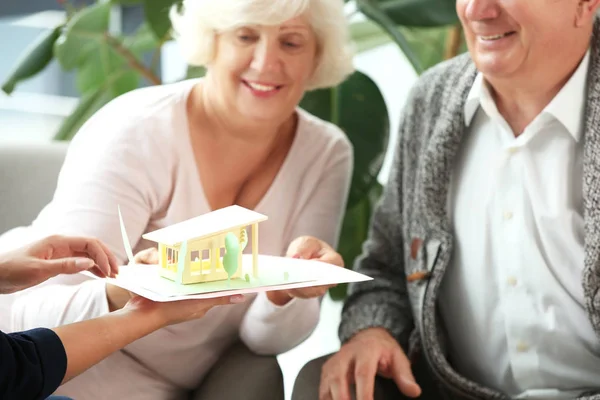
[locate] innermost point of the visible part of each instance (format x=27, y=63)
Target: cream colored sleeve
x=270, y=329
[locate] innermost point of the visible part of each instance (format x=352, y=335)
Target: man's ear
x=586, y=12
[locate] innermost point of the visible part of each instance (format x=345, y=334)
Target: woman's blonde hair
x=197, y=23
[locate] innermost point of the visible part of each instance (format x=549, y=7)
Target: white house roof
x=209, y=224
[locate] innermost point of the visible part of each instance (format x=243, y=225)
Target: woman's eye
x=291, y=45
x=246, y=38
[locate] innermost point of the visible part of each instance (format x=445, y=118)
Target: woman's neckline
x=187, y=141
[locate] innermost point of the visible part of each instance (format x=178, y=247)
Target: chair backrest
x=28, y=176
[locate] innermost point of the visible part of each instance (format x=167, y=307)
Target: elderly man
x=486, y=246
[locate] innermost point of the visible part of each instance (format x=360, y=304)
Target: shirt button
x=507, y=215
x=512, y=281
x=513, y=150
x=522, y=347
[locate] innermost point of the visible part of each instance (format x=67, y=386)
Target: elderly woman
x=165, y=154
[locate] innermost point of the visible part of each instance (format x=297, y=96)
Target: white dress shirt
x=512, y=299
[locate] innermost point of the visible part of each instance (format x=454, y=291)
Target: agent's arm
x=35, y=362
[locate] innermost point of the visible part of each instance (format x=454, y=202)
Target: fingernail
x=238, y=298
x=83, y=263
x=296, y=256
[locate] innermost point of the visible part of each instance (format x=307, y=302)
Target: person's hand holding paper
x=307, y=248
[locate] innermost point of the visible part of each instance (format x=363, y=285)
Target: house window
x=172, y=256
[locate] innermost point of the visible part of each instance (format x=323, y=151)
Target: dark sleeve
x=32, y=364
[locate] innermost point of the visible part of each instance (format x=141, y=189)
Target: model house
x=201, y=249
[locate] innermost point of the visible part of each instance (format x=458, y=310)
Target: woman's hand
x=307, y=248
x=148, y=256
x=117, y=297
x=54, y=255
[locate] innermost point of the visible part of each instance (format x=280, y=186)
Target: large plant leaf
x=82, y=35
x=106, y=68
x=367, y=35
x=355, y=229
x=34, y=59
x=398, y=18
x=142, y=41
x=357, y=107
x=157, y=16
x=194, y=71
x=420, y=13
x=126, y=2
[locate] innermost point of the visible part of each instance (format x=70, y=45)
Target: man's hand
x=54, y=255
x=370, y=352
x=307, y=248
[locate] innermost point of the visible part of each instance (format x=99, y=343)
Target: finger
x=96, y=271
x=112, y=260
x=72, y=265
x=93, y=249
x=324, y=392
x=364, y=376
x=403, y=376
x=325, y=395
x=339, y=389
x=335, y=377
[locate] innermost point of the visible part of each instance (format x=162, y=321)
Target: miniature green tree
x=232, y=251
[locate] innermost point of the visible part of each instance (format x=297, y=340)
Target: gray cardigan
x=410, y=240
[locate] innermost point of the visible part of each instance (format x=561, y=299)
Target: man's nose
x=479, y=10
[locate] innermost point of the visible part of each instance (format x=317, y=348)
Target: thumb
x=305, y=248
x=70, y=265
x=147, y=256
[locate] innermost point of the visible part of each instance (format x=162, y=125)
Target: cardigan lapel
x=591, y=184
x=442, y=147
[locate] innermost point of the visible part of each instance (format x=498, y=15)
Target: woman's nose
x=266, y=57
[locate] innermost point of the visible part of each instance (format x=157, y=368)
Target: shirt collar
x=567, y=106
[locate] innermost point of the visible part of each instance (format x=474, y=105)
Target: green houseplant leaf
x=36, y=58
x=157, y=15
x=82, y=35
x=419, y=13
x=359, y=109
x=419, y=27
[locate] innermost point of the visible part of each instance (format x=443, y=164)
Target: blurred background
x=62, y=60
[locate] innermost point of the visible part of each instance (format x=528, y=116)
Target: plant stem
x=131, y=60
x=453, y=42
